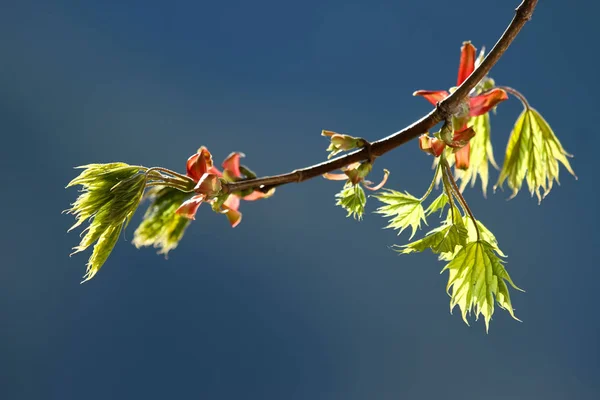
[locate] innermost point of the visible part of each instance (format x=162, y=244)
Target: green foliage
x=161, y=227
x=352, y=199
x=476, y=277
x=533, y=153
x=110, y=196
x=438, y=204
x=481, y=154
x=443, y=239
x=404, y=209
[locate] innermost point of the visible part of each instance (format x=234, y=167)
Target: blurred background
x=297, y=302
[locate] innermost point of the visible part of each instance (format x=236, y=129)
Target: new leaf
x=533, y=153
x=161, y=227
x=352, y=199
x=476, y=277
x=405, y=210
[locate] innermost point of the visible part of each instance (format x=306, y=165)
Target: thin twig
x=443, y=111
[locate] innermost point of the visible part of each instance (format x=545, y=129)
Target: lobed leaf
x=404, y=209
x=110, y=196
x=533, y=153
x=161, y=227
x=481, y=154
x=477, y=277
x=352, y=199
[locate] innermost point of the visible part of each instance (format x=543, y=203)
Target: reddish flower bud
x=209, y=185
x=431, y=146
x=189, y=207
x=199, y=164
x=462, y=157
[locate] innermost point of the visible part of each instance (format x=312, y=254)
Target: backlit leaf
x=443, y=239
x=404, y=209
x=533, y=153
x=438, y=204
x=481, y=153
x=352, y=199
x=161, y=227
x=477, y=278
x=111, y=193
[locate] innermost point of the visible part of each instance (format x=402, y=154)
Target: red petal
x=198, y=164
x=232, y=163
x=189, y=207
x=335, y=177
x=232, y=202
x=483, y=103
x=234, y=216
x=464, y=135
x=462, y=157
x=433, y=96
x=433, y=146
x=467, y=62
x=215, y=171
x=257, y=195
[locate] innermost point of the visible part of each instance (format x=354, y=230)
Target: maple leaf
x=533, y=153
x=477, y=278
x=438, y=204
x=352, y=199
x=443, y=239
x=161, y=227
x=111, y=194
x=405, y=210
x=481, y=154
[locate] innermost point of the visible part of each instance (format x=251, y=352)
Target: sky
x=298, y=301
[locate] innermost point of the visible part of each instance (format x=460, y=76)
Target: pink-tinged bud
x=433, y=146
x=328, y=133
x=209, y=185
x=234, y=216
x=199, y=164
x=189, y=207
x=462, y=157
x=345, y=142
x=232, y=164
x=461, y=138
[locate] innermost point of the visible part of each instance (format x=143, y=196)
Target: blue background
x=297, y=302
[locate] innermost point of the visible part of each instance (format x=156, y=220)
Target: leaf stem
x=459, y=196
x=517, y=94
x=437, y=169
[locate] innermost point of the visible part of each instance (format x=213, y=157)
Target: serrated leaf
x=110, y=196
x=443, y=239
x=533, y=153
x=405, y=210
x=481, y=154
x=477, y=276
x=161, y=227
x=352, y=199
x=438, y=204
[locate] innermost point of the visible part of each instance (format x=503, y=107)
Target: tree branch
x=444, y=110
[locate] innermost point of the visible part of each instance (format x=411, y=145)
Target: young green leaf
x=476, y=277
x=405, y=210
x=110, y=196
x=438, y=204
x=352, y=199
x=481, y=153
x=161, y=227
x=443, y=239
x=533, y=153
